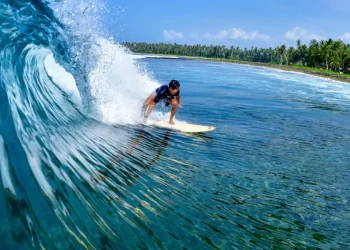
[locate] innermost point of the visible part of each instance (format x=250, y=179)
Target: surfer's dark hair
x=174, y=84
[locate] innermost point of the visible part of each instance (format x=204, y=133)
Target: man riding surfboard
x=170, y=93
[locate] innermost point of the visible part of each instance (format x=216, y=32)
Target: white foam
x=64, y=80
x=134, y=56
x=118, y=84
x=143, y=56
x=324, y=85
x=4, y=168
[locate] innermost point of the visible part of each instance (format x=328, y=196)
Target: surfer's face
x=173, y=91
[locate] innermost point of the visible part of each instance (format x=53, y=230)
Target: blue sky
x=246, y=23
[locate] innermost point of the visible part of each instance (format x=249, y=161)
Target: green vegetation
x=326, y=56
x=319, y=70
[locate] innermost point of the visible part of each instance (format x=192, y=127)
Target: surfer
x=169, y=93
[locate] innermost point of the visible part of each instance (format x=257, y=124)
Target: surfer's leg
x=150, y=108
x=147, y=104
x=174, y=105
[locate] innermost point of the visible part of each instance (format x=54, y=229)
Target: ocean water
x=79, y=170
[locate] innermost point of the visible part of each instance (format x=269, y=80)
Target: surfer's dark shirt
x=163, y=93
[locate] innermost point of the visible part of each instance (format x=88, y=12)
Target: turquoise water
x=79, y=171
x=275, y=172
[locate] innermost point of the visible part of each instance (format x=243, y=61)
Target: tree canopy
x=329, y=54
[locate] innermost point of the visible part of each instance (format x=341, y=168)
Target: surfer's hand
x=180, y=105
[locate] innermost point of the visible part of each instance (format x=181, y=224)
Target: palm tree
x=298, y=51
x=282, y=52
x=325, y=49
x=346, y=60
x=342, y=52
x=332, y=54
x=303, y=54
x=290, y=54
x=336, y=54
x=313, y=53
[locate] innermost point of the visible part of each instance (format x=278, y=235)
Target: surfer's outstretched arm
x=178, y=101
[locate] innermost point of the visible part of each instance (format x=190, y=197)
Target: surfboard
x=182, y=127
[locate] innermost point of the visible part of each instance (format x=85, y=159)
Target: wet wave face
x=79, y=171
x=69, y=180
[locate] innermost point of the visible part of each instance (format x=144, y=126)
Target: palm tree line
x=328, y=54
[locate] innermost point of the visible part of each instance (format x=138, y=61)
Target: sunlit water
x=276, y=170
x=79, y=171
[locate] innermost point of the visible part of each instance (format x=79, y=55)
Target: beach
x=293, y=68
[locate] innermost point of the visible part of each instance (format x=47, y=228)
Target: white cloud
x=235, y=34
x=172, y=35
x=302, y=34
x=346, y=37
x=295, y=33
x=317, y=37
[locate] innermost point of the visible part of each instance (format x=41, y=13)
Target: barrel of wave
x=118, y=84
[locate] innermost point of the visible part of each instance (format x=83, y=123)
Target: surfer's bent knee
x=174, y=102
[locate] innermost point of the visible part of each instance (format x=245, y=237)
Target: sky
x=243, y=23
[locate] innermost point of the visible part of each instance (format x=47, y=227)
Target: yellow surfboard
x=180, y=126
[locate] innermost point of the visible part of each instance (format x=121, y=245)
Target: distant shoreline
x=299, y=69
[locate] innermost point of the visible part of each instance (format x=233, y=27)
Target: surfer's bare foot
x=172, y=122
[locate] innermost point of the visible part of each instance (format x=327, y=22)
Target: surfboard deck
x=182, y=127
